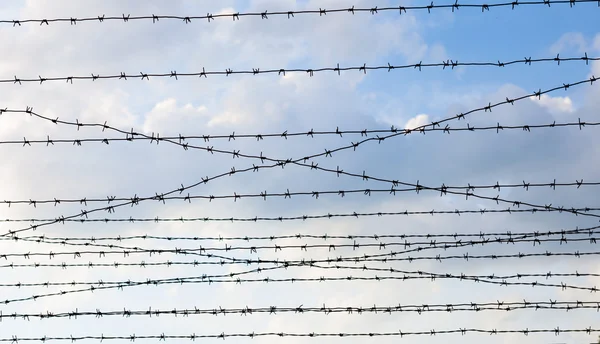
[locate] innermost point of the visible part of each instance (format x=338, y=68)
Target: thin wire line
x=291, y=14
x=311, y=133
x=557, y=331
x=326, y=153
x=314, y=194
x=377, y=237
x=349, y=310
x=230, y=279
x=182, y=219
x=450, y=64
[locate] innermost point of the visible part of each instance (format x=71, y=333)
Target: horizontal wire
x=407, y=275
x=313, y=166
x=583, y=231
x=195, y=263
x=210, y=279
x=291, y=14
x=182, y=219
x=450, y=64
x=162, y=337
x=498, y=127
x=315, y=194
x=127, y=250
x=330, y=247
x=350, y=310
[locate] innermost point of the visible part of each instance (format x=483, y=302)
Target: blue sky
x=297, y=102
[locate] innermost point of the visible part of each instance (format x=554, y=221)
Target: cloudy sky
x=297, y=103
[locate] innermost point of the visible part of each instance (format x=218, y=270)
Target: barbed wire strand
x=292, y=13
x=311, y=133
x=356, y=260
x=552, y=305
x=334, y=247
x=127, y=250
x=209, y=279
x=162, y=337
x=326, y=153
x=314, y=194
x=182, y=219
x=450, y=64
x=377, y=237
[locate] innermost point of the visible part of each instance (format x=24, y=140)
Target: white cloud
x=569, y=42
x=555, y=105
x=417, y=121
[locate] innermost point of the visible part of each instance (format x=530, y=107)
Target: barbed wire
x=450, y=64
x=330, y=247
x=210, y=279
x=314, y=194
x=201, y=251
x=356, y=260
x=291, y=14
x=498, y=127
x=553, y=305
x=407, y=275
x=162, y=337
x=377, y=237
x=313, y=166
x=182, y=219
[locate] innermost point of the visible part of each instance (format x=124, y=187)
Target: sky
x=273, y=104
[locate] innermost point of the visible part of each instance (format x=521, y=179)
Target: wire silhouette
x=291, y=14
x=356, y=260
x=162, y=337
x=450, y=64
x=530, y=238
x=182, y=219
x=498, y=127
x=552, y=305
x=282, y=164
x=377, y=237
x=229, y=278
x=314, y=194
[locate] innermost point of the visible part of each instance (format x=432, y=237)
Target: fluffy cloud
x=555, y=105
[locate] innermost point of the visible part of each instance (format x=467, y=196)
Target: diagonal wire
x=313, y=166
x=314, y=194
x=377, y=237
x=181, y=138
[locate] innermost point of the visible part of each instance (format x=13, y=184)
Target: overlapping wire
x=326, y=153
x=229, y=278
x=552, y=305
x=450, y=64
x=498, y=127
x=195, y=263
x=292, y=13
x=377, y=237
x=314, y=194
